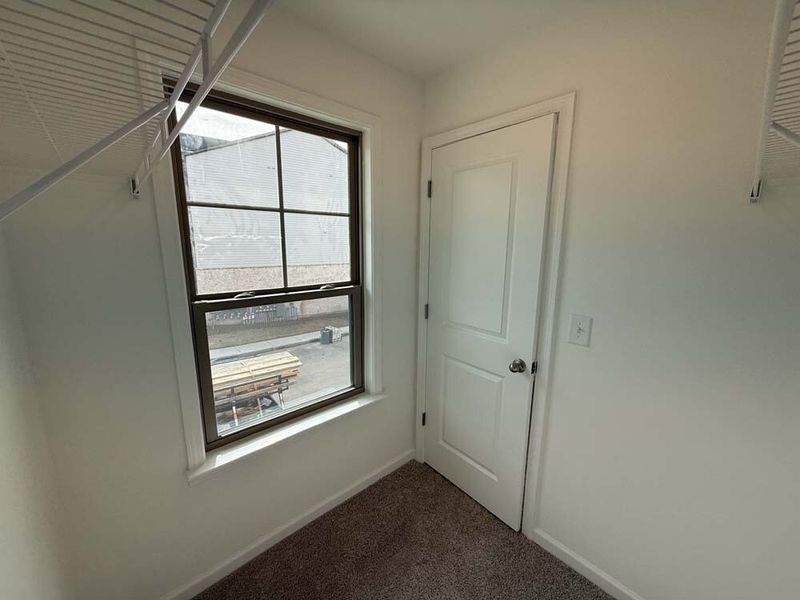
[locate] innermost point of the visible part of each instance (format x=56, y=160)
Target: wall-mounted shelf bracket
x=42, y=184
x=779, y=98
x=117, y=93
x=211, y=73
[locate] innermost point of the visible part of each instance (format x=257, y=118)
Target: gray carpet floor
x=411, y=535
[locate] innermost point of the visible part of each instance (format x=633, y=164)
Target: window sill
x=235, y=452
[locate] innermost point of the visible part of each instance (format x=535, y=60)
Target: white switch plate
x=580, y=330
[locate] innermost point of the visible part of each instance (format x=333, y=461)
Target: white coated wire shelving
x=83, y=76
x=779, y=148
x=86, y=75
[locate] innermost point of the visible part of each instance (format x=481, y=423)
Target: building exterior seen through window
x=269, y=210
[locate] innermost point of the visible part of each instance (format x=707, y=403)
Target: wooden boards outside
x=249, y=377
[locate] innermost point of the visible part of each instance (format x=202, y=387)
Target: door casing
x=564, y=108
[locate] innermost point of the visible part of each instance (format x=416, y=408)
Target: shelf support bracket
x=789, y=136
x=781, y=24
x=162, y=138
x=201, y=51
x=210, y=77
x=21, y=198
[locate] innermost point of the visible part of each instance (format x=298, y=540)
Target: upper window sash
x=283, y=218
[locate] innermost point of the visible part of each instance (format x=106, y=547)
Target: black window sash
x=201, y=308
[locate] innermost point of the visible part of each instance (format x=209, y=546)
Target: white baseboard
x=588, y=569
x=227, y=566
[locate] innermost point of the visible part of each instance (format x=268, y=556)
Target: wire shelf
x=88, y=76
x=76, y=70
x=779, y=157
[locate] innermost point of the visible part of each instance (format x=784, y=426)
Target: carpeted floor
x=412, y=535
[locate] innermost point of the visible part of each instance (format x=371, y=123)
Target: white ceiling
x=421, y=37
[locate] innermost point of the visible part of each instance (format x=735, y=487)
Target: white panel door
x=488, y=217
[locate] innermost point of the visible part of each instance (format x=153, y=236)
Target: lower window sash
x=265, y=360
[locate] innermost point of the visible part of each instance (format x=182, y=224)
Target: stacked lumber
x=256, y=376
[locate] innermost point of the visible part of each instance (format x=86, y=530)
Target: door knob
x=517, y=366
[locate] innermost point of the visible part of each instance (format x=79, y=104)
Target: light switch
x=580, y=330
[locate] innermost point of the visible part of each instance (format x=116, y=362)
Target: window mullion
x=280, y=206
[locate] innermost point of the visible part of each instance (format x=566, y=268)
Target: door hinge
x=430, y=188
x=426, y=311
x=423, y=419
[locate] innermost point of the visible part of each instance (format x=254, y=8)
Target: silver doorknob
x=517, y=366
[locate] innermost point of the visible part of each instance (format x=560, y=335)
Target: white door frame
x=564, y=108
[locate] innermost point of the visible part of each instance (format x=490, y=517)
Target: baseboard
x=586, y=568
x=227, y=566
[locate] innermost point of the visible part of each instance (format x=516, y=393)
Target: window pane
x=314, y=172
x=235, y=250
x=228, y=159
x=270, y=359
x=317, y=249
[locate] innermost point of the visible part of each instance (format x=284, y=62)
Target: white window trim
x=199, y=462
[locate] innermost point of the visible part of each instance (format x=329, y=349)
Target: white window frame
x=201, y=462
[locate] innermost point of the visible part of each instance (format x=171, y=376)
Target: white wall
x=29, y=551
x=672, y=442
x=670, y=461
x=88, y=262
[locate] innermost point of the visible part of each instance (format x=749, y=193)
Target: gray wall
x=30, y=553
